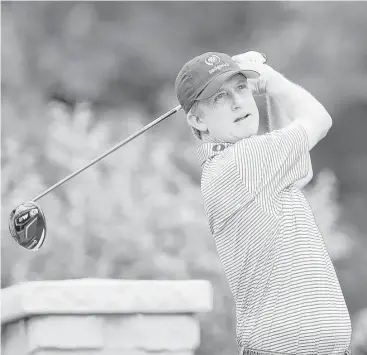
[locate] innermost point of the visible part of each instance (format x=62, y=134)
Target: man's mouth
x=242, y=118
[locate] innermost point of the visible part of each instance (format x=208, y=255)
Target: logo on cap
x=212, y=59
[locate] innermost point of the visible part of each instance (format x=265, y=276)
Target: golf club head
x=27, y=226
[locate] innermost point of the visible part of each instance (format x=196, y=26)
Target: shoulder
x=290, y=134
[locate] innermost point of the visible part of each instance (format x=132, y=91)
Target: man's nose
x=238, y=101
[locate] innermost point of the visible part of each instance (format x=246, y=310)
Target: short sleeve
x=272, y=162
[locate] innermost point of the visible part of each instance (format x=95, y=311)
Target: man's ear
x=196, y=122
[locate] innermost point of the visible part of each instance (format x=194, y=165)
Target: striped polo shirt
x=287, y=295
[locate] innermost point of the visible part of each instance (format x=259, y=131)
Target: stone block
x=104, y=296
x=106, y=352
x=152, y=332
x=14, y=338
x=65, y=332
x=103, y=317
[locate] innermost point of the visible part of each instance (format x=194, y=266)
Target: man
x=287, y=295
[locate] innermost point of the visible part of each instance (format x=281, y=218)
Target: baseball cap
x=202, y=77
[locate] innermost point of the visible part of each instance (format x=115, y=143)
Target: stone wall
x=104, y=317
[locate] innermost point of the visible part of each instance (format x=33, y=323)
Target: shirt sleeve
x=272, y=162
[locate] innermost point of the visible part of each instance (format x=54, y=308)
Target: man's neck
x=206, y=138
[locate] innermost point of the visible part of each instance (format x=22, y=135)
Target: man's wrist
x=272, y=81
x=267, y=83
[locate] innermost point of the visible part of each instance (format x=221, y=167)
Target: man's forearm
x=287, y=101
x=281, y=114
x=277, y=118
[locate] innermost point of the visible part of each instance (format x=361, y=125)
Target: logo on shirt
x=212, y=59
x=219, y=147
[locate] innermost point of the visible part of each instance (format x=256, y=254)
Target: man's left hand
x=256, y=61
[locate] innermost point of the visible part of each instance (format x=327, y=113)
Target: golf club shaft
x=117, y=146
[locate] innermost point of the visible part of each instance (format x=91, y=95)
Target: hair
x=195, y=110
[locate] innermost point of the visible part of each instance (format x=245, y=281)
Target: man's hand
x=250, y=56
x=256, y=61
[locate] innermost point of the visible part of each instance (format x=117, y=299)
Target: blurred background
x=77, y=77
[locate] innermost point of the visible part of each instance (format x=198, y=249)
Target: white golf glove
x=255, y=61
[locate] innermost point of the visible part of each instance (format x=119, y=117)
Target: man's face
x=231, y=113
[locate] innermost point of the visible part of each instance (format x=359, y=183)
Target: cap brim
x=216, y=83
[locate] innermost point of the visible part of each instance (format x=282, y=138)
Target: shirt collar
x=208, y=150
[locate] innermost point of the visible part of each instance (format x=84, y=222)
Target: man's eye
x=242, y=86
x=220, y=96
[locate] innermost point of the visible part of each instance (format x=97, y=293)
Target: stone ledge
x=150, y=333
x=109, y=352
x=105, y=296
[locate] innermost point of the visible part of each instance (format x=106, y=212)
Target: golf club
x=27, y=222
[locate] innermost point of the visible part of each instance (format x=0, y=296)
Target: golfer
x=287, y=295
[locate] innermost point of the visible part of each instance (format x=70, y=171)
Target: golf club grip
x=117, y=146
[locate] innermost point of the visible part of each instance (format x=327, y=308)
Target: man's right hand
x=256, y=61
